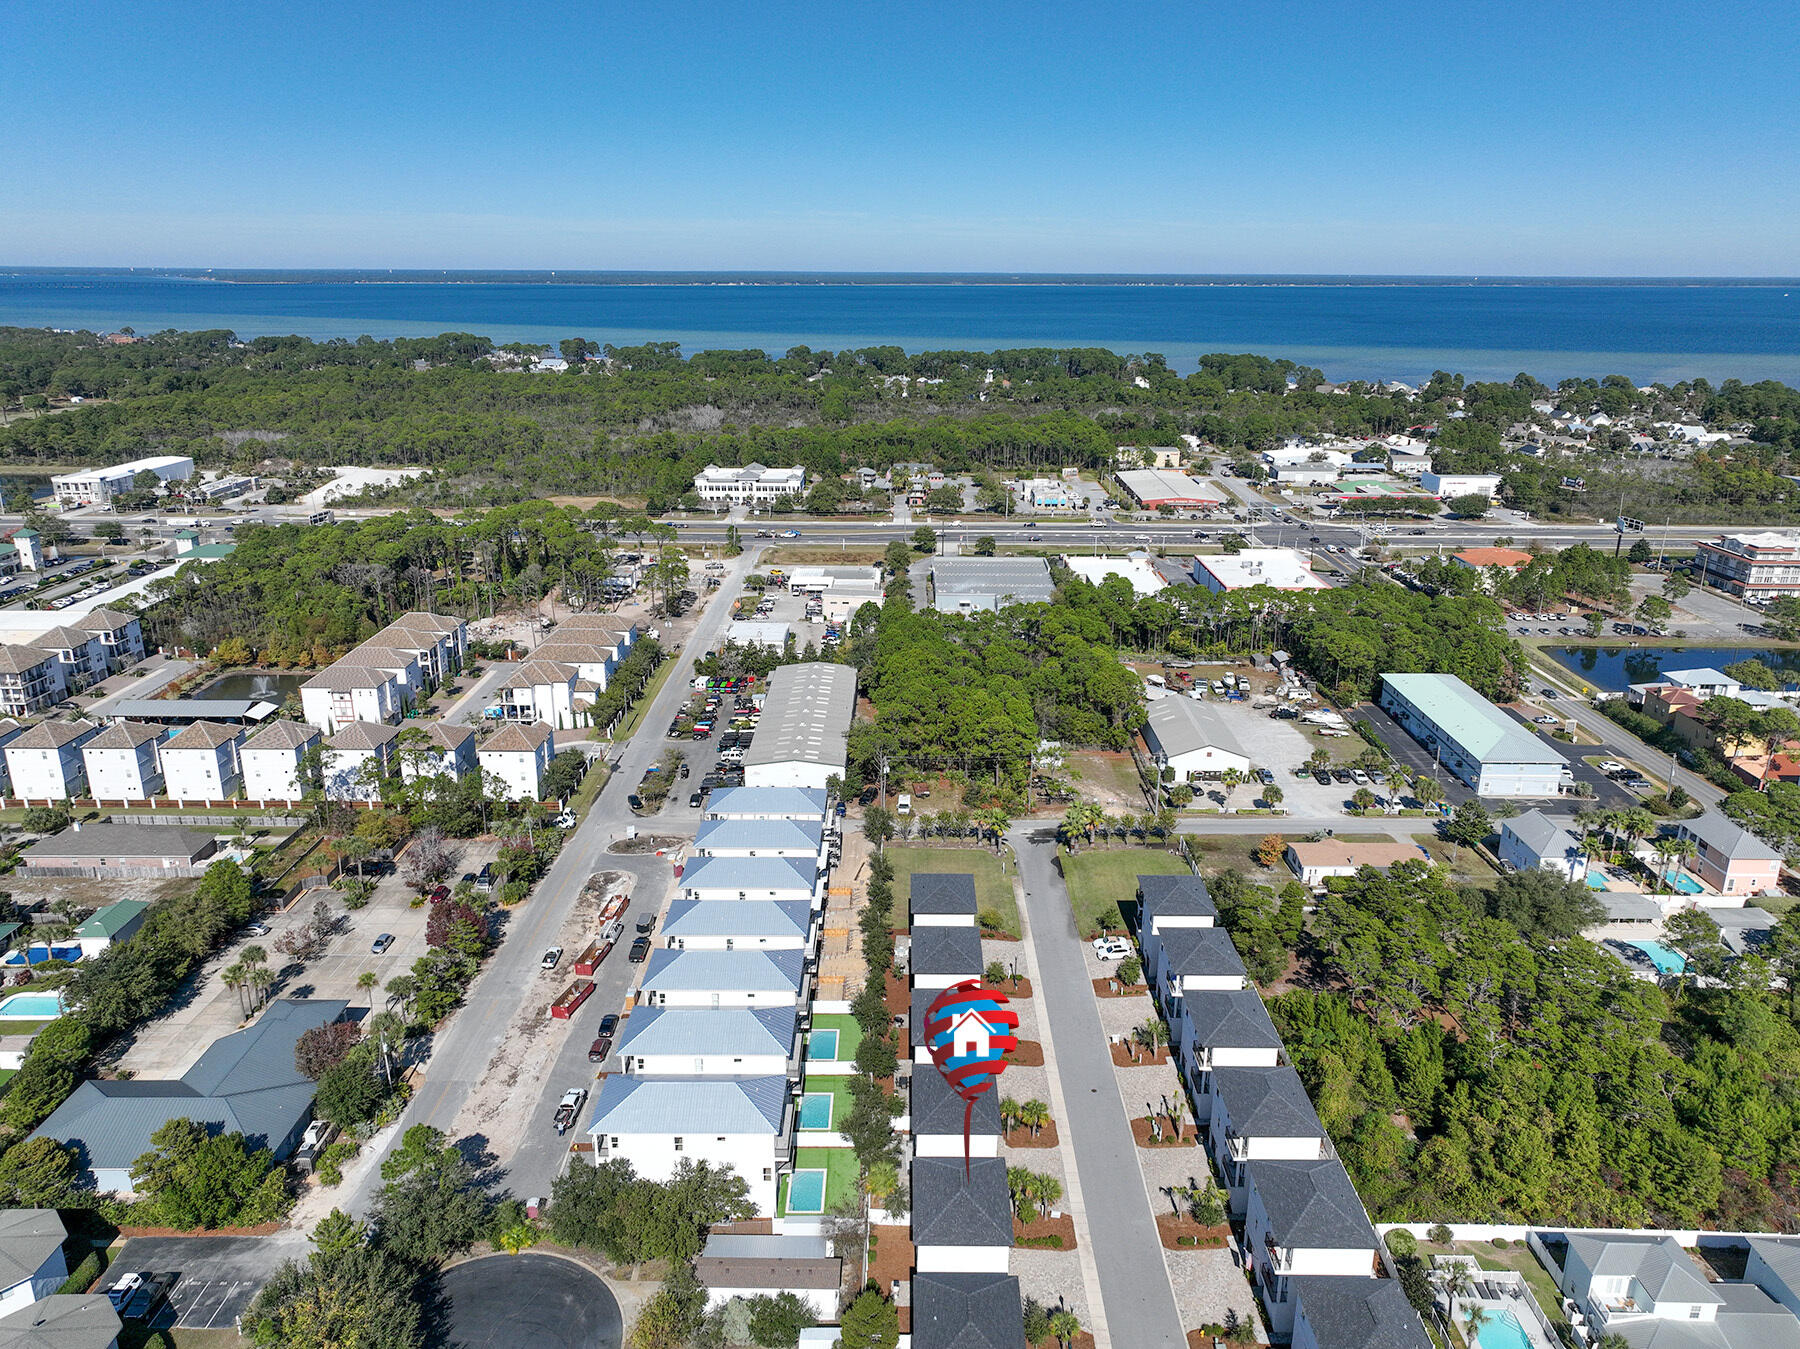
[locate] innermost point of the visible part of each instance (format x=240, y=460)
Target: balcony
x=1237, y=1147
x=1604, y=1310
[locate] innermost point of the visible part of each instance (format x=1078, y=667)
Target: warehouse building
x=1280, y=568
x=969, y=585
x=1467, y=734
x=1193, y=739
x=803, y=737
x=98, y=486
x=1154, y=487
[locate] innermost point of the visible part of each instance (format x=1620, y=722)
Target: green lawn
x=1518, y=1257
x=6, y=1076
x=849, y=1033
x=993, y=887
x=1100, y=878
x=840, y=1180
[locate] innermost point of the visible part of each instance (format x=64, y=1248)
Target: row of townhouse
x=709, y=1057
x=962, y=1289
x=1311, y=1251
x=48, y=666
x=559, y=681
x=378, y=680
x=210, y=761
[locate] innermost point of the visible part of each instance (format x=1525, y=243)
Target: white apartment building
x=745, y=1124
x=1751, y=566
x=98, y=486
x=30, y=680
x=702, y=1042
x=121, y=636
x=1446, y=485
x=540, y=691
x=440, y=750
x=45, y=763
x=519, y=756
x=80, y=656
x=354, y=760
x=201, y=764
x=122, y=763
x=272, y=758
x=340, y=695
x=751, y=485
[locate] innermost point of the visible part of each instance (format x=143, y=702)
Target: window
x=768, y=1173
x=678, y=1145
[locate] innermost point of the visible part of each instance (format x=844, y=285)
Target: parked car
x=640, y=951
x=1111, y=948
x=609, y=1024
x=601, y=1047
x=257, y=930
x=380, y=945
x=1610, y=766
x=551, y=958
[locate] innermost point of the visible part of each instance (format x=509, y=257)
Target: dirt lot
x=92, y=894
x=207, y=1009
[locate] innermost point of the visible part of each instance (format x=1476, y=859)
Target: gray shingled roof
x=1200, y=951
x=245, y=1082
x=1546, y=837
x=944, y=892
x=288, y=735
x=125, y=735
x=1782, y=1256
x=62, y=1321
x=1234, y=1020
x=937, y=1109
x=1175, y=897
x=123, y=840
x=1664, y=1271
x=1346, y=1312
x=28, y=1236
x=1266, y=1102
x=1311, y=1205
x=1721, y=835
x=709, y=1030
x=951, y=1210
x=952, y=950
x=966, y=1311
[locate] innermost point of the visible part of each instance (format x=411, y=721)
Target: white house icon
x=970, y=1037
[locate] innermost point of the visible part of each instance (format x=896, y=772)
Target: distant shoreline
x=409, y=277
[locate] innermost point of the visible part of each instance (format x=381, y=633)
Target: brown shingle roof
x=520, y=737
x=21, y=659
x=104, y=620
x=125, y=735
x=204, y=735
x=362, y=735
x=63, y=638
x=535, y=672
x=51, y=734
x=343, y=677
x=283, y=735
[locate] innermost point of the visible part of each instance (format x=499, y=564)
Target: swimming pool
x=815, y=1110
x=1502, y=1331
x=806, y=1192
x=822, y=1044
x=1684, y=883
x=1666, y=959
x=38, y=953
x=1595, y=881
x=31, y=1007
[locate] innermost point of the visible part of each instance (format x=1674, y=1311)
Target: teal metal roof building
x=1487, y=749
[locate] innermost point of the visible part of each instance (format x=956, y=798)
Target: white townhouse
x=341, y=694
x=539, y=690
x=755, y=1264
x=80, y=656
x=453, y=634
x=593, y=661
x=356, y=759
x=935, y=1117
x=31, y=1256
x=724, y=979
x=1261, y=1114
x=1534, y=841
x=45, y=763
x=437, y=750
x=806, y=804
x=30, y=680
x=942, y=899
x=1166, y=904
x=401, y=664
x=761, y=838
x=731, y=878
x=121, y=637
x=201, y=763
x=434, y=653
x=709, y=1042
x=10, y=730
x=943, y=955
x=1197, y=960
x=1303, y=1218
x=745, y=1124
x=272, y=760
x=961, y=1215
x=122, y=763
x=519, y=756
x=1648, y=1290
x=741, y=925
x=1222, y=1030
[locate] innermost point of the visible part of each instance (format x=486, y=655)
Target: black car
x=1340, y=775
x=694, y=801
x=609, y=1023
x=647, y=922
x=1322, y=778
x=640, y=951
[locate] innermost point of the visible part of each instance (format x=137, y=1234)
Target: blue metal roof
x=697, y=1105
x=738, y=918
x=709, y=1030
x=719, y=971
x=750, y=873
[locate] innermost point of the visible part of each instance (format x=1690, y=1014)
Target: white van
x=904, y=806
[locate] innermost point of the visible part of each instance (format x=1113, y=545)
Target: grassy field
x=801, y=555
x=629, y=726
x=993, y=885
x=1100, y=878
x=589, y=789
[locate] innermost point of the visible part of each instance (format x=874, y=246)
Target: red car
x=439, y=895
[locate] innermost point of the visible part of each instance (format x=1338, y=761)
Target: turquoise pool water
x=1685, y=884
x=1666, y=959
x=1595, y=881
x=815, y=1110
x=31, y=1007
x=37, y=954
x=1502, y=1331
x=806, y=1192
x=822, y=1044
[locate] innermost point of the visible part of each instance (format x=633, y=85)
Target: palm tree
x=1230, y=780
x=388, y=1031
x=1065, y=1325
x=366, y=982
x=1009, y=1114
x=1426, y=790
x=1474, y=1318
x=262, y=981
x=1021, y=1183
x=237, y=978
x=1178, y=1113
x=1034, y=1115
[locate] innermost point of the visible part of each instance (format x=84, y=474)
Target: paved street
x=1139, y=1305
x=470, y=1038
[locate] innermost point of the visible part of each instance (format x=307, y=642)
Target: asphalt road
x=1139, y=1303
x=471, y=1036
x=535, y=1301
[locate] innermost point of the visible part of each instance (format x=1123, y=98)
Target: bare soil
x=1140, y=1132
x=1020, y=1137
x=1029, y=1054
x=1122, y=1056
x=893, y=1258
x=649, y=843
x=1173, y=1230
x=1063, y=1227
x=1112, y=988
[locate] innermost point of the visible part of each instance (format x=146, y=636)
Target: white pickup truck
x=570, y=1107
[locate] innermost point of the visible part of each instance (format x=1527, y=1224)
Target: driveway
x=216, y=1276
x=1135, y=1292
x=540, y=1301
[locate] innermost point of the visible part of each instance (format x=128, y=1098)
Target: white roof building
x=1281, y=568
x=1134, y=567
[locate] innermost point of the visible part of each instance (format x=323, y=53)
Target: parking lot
x=216, y=1276
x=168, y=1046
x=1280, y=745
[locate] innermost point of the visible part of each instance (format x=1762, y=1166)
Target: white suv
x=1111, y=948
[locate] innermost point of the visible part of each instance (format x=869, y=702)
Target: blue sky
x=1529, y=138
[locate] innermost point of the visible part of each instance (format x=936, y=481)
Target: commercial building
x=737, y=877
x=1487, y=749
x=1193, y=738
x=98, y=486
x=1751, y=566
x=751, y=485
x=1443, y=486
x=1480, y=559
x=1136, y=568
x=840, y=591
x=1281, y=568
x=1154, y=487
x=695, y=978
x=245, y=1082
x=968, y=585
x=802, y=739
